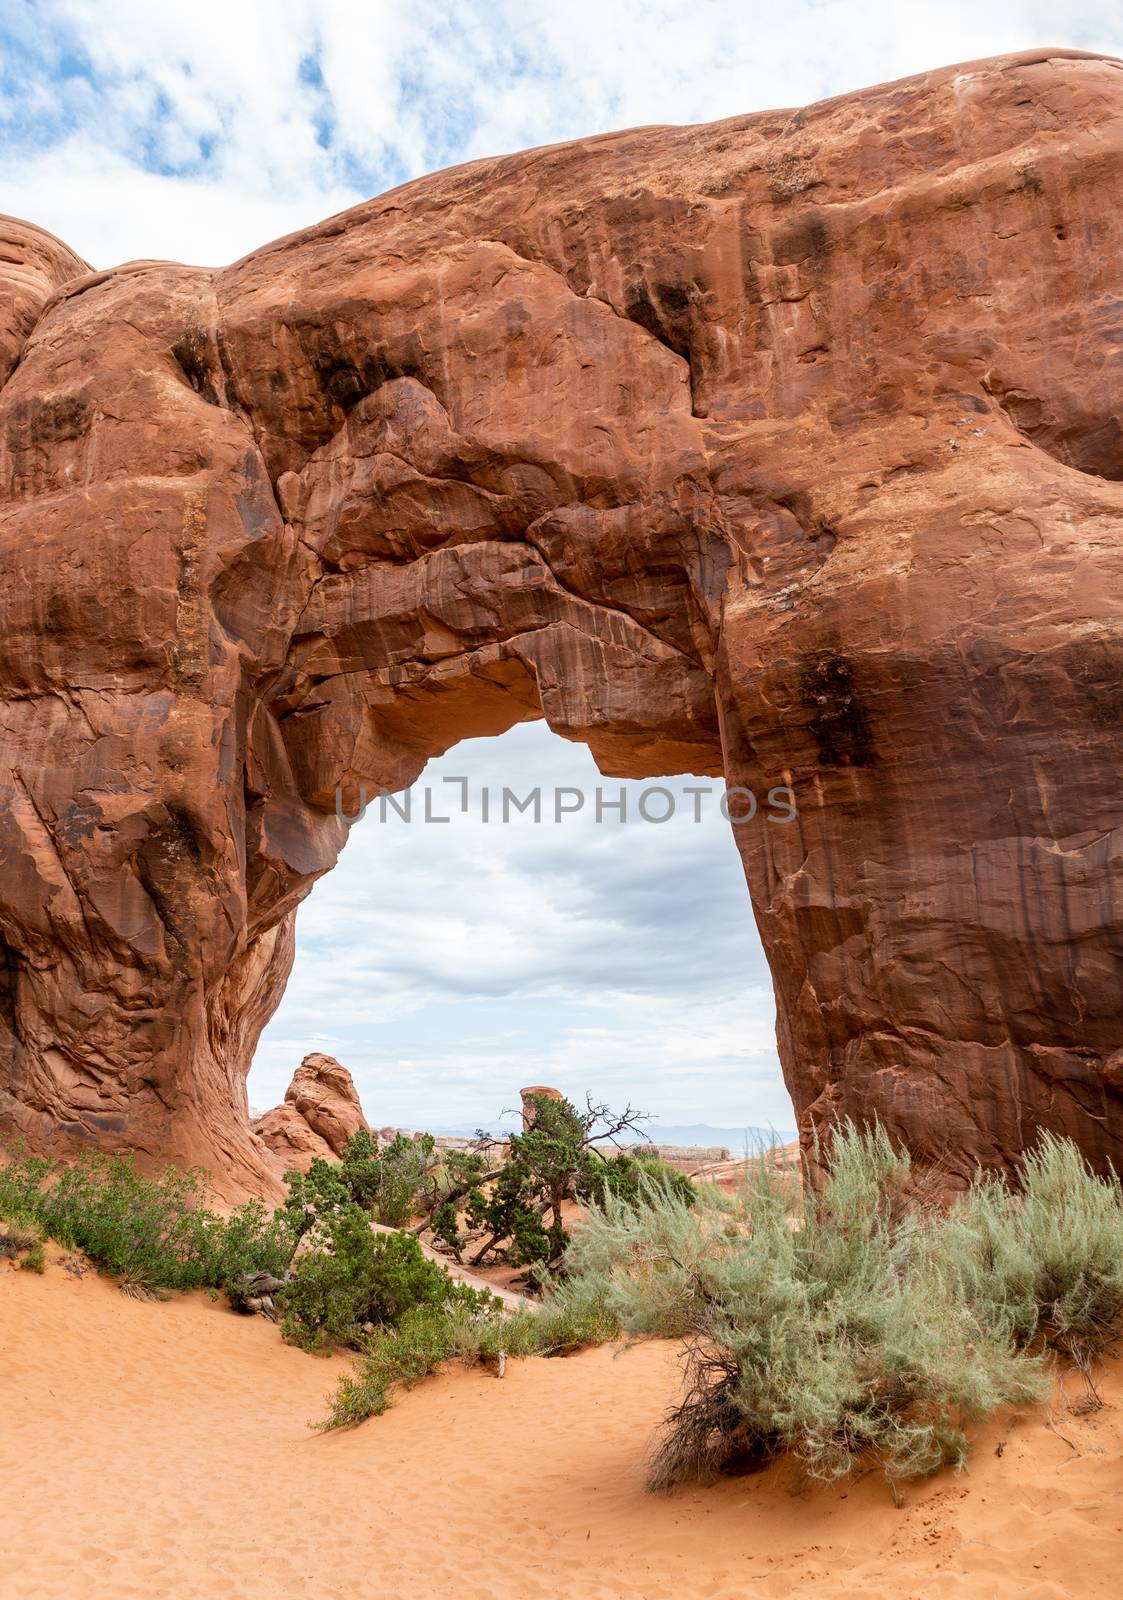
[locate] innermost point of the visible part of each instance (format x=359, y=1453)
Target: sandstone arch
x=788, y=447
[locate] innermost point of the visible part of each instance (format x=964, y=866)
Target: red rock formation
x=320, y=1114
x=537, y=1091
x=33, y=265
x=286, y=1134
x=324, y=1094
x=788, y=447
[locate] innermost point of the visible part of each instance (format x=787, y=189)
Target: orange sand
x=160, y=1450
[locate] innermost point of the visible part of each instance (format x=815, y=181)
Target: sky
x=450, y=964
x=447, y=965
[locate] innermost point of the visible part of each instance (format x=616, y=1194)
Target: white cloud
x=289, y=109
x=110, y=210
x=450, y=964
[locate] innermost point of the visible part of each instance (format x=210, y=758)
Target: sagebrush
x=836, y=1326
x=849, y=1325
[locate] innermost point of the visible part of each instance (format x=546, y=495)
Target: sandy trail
x=161, y=1450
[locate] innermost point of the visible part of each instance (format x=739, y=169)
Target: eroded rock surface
x=788, y=447
x=319, y=1115
x=324, y=1094
x=287, y=1136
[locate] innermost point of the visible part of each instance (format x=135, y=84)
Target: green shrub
x=403, y=1168
x=453, y=1175
x=510, y=1213
x=15, y=1238
x=248, y=1241
x=446, y=1227
x=404, y=1355
x=19, y=1240
x=151, y=1233
x=350, y=1279
x=553, y=1161
x=571, y=1316
x=35, y=1260
x=21, y=1183
x=391, y=1185
x=631, y=1178
x=422, y=1340
x=835, y=1335
x=147, y=1231
x=574, y=1312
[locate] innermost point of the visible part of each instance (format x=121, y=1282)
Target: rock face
x=320, y=1114
x=286, y=1135
x=788, y=448
x=33, y=265
x=323, y=1093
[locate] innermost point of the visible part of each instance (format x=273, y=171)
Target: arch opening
x=528, y=920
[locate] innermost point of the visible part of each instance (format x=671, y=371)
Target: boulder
x=286, y=1134
x=320, y=1114
x=324, y=1094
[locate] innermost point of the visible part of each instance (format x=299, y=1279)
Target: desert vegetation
x=854, y=1324
x=560, y=1159
x=848, y=1326
x=349, y=1281
x=152, y=1234
x=843, y=1325
x=23, y=1245
x=570, y=1316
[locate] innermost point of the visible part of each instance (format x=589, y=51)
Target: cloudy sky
x=448, y=964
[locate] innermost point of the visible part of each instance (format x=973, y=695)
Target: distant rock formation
x=686, y=1156
x=284, y=1132
x=320, y=1113
x=787, y=449
x=537, y=1091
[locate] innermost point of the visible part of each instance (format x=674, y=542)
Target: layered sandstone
x=788, y=448
x=320, y=1114
x=324, y=1094
x=287, y=1136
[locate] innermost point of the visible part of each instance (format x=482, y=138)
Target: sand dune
x=161, y=1450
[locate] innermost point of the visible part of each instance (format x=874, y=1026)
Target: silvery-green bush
x=852, y=1324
